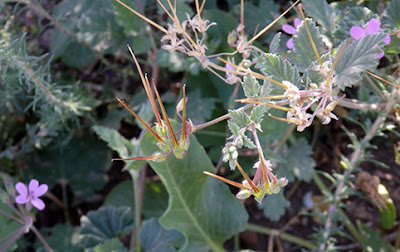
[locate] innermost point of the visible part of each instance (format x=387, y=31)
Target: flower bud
x=231, y=38
x=179, y=153
x=246, y=63
x=184, y=144
x=158, y=157
x=162, y=130
x=243, y=194
x=282, y=182
x=165, y=145
x=179, y=107
x=275, y=189
x=246, y=184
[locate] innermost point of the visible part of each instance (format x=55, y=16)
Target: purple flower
x=373, y=26
x=31, y=196
x=291, y=30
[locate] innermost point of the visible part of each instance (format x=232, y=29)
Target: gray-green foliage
x=303, y=54
x=359, y=56
x=104, y=224
x=27, y=86
x=154, y=238
x=191, y=195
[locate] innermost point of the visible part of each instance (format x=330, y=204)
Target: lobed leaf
x=114, y=245
x=81, y=163
x=359, y=56
x=274, y=46
x=277, y=68
x=104, y=224
x=61, y=237
x=98, y=28
x=303, y=54
x=240, y=118
x=192, y=207
x=155, y=198
x=391, y=15
x=274, y=206
x=250, y=85
x=154, y=238
x=355, y=16
x=323, y=14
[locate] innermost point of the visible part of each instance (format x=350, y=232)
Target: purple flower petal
x=297, y=22
x=38, y=203
x=21, y=189
x=289, y=43
x=40, y=191
x=33, y=185
x=373, y=26
x=21, y=199
x=387, y=40
x=380, y=56
x=289, y=29
x=357, y=32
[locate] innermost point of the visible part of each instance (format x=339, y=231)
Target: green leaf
x=155, y=198
x=98, y=28
x=141, y=44
x=388, y=216
x=239, y=117
x=247, y=142
x=81, y=163
x=7, y=225
x=124, y=147
x=171, y=59
x=113, y=245
x=61, y=237
x=355, y=16
x=192, y=197
x=257, y=113
x=274, y=206
x=250, y=86
x=372, y=240
x=303, y=54
x=257, y=16
x=391, y=15
x=113, y=139
x=105, y=223
x=359, y=56
x=274, y=46
x=68, y=13
x=130, y=23
x=199, y=109
x=154, y=238
x=181, y=9
x=299, y=162
x=233, y=127
x=77, y=55
x=279, y=69
x=323, y=14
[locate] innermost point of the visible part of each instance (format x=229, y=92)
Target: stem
x=12, y=217
x=38, y=235
x=282, y=235
x=137, y=190
x=219, y=119
x=14, y=236
x=354, y=161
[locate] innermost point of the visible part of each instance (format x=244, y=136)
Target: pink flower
x=31, y=196
x=373, y=26
x=291, y=30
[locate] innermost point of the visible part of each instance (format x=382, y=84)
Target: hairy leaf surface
x=359, y=56
x=193, y=197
